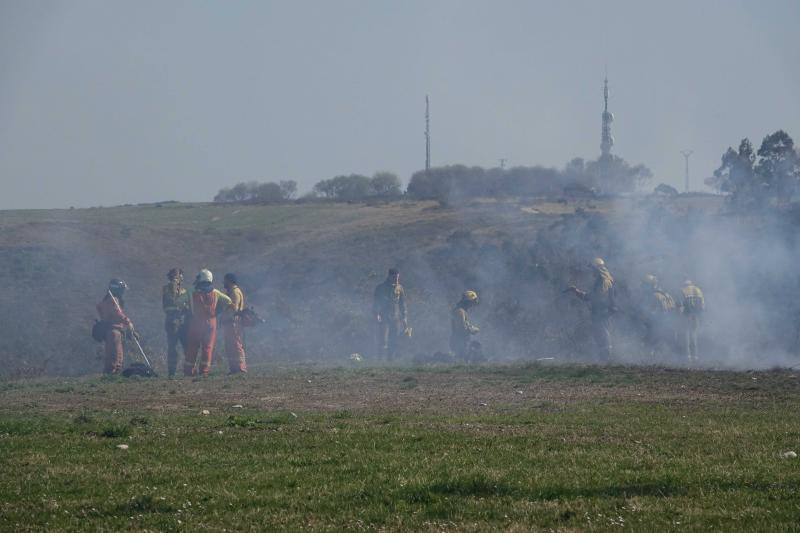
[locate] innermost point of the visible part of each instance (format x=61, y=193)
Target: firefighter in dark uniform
x=175, y=302
x=461, y=329
x=602, y=305
x=389, y=310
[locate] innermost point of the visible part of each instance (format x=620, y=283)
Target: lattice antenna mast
x=606, y=139
x=427, y=134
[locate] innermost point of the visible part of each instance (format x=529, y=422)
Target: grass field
x=442, y=448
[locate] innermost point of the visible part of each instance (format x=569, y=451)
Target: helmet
x=688, y=282
x=205, y=275
x=117, y=287
x=470, y=296
x=231, y=278
x=175, y=273
x=650, y=279
x=598, y=262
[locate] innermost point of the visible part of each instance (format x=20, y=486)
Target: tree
x=753, y=179
x=779, y=165
x=348, y=188
x=267, y=193
x=450, y=183
x=253, y=191
x=288, y=188
x=385, y=184
x=736, y=174
x=613, y=175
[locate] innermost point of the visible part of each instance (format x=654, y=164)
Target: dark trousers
x=601, y=332
x=176, y=333
x=388, y=335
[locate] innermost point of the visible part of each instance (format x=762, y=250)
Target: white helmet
x=205, y=275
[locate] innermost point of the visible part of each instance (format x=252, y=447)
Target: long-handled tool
x=133, y=334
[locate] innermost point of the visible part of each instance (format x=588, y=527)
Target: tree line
x=753, y=178
x=452, y=183
x=750, y=178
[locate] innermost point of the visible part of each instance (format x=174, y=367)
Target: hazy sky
x=108, y=102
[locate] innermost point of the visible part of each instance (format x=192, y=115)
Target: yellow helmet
x=649, y=279
x=598, y=262
x=470, y=296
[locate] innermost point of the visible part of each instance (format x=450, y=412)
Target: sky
x=108, y=102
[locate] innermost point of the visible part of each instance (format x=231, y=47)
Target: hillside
x=308, y=267
x=311, y=269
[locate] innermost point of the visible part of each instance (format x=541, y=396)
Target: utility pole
x=427, y=135
x=502, y=163
x=686, y=154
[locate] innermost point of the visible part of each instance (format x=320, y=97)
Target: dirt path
x=423, y=391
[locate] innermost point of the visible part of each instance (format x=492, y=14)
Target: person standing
x=204, y=301
x=693, y=305
x=110, y=310
x=175, y=302
x=232, y=326
x=461, y=329
x=389, y=309
x=602, y=306
x=657, y=309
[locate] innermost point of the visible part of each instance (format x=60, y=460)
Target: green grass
x=671, y=460
x=209, y=216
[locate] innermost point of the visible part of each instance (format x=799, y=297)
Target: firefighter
x=462, y=328
x=656, y=312
x=111, y=311
x=232, y=326
x=175, y=302
x=693, y=305
x=389, y=310
x=204, y=300
x=602, y=305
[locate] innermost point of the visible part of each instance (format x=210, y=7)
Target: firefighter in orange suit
x=204, y=301
x=110, y=310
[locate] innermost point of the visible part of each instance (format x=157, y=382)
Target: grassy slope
x=495, y=447
x=58, y=261
x=310, y=267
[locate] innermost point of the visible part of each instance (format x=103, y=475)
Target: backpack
x=100, y=330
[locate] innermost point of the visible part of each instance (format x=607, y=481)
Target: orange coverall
x=114, y=352
x=202, y=331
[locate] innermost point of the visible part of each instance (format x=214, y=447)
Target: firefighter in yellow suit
x=693, y=305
